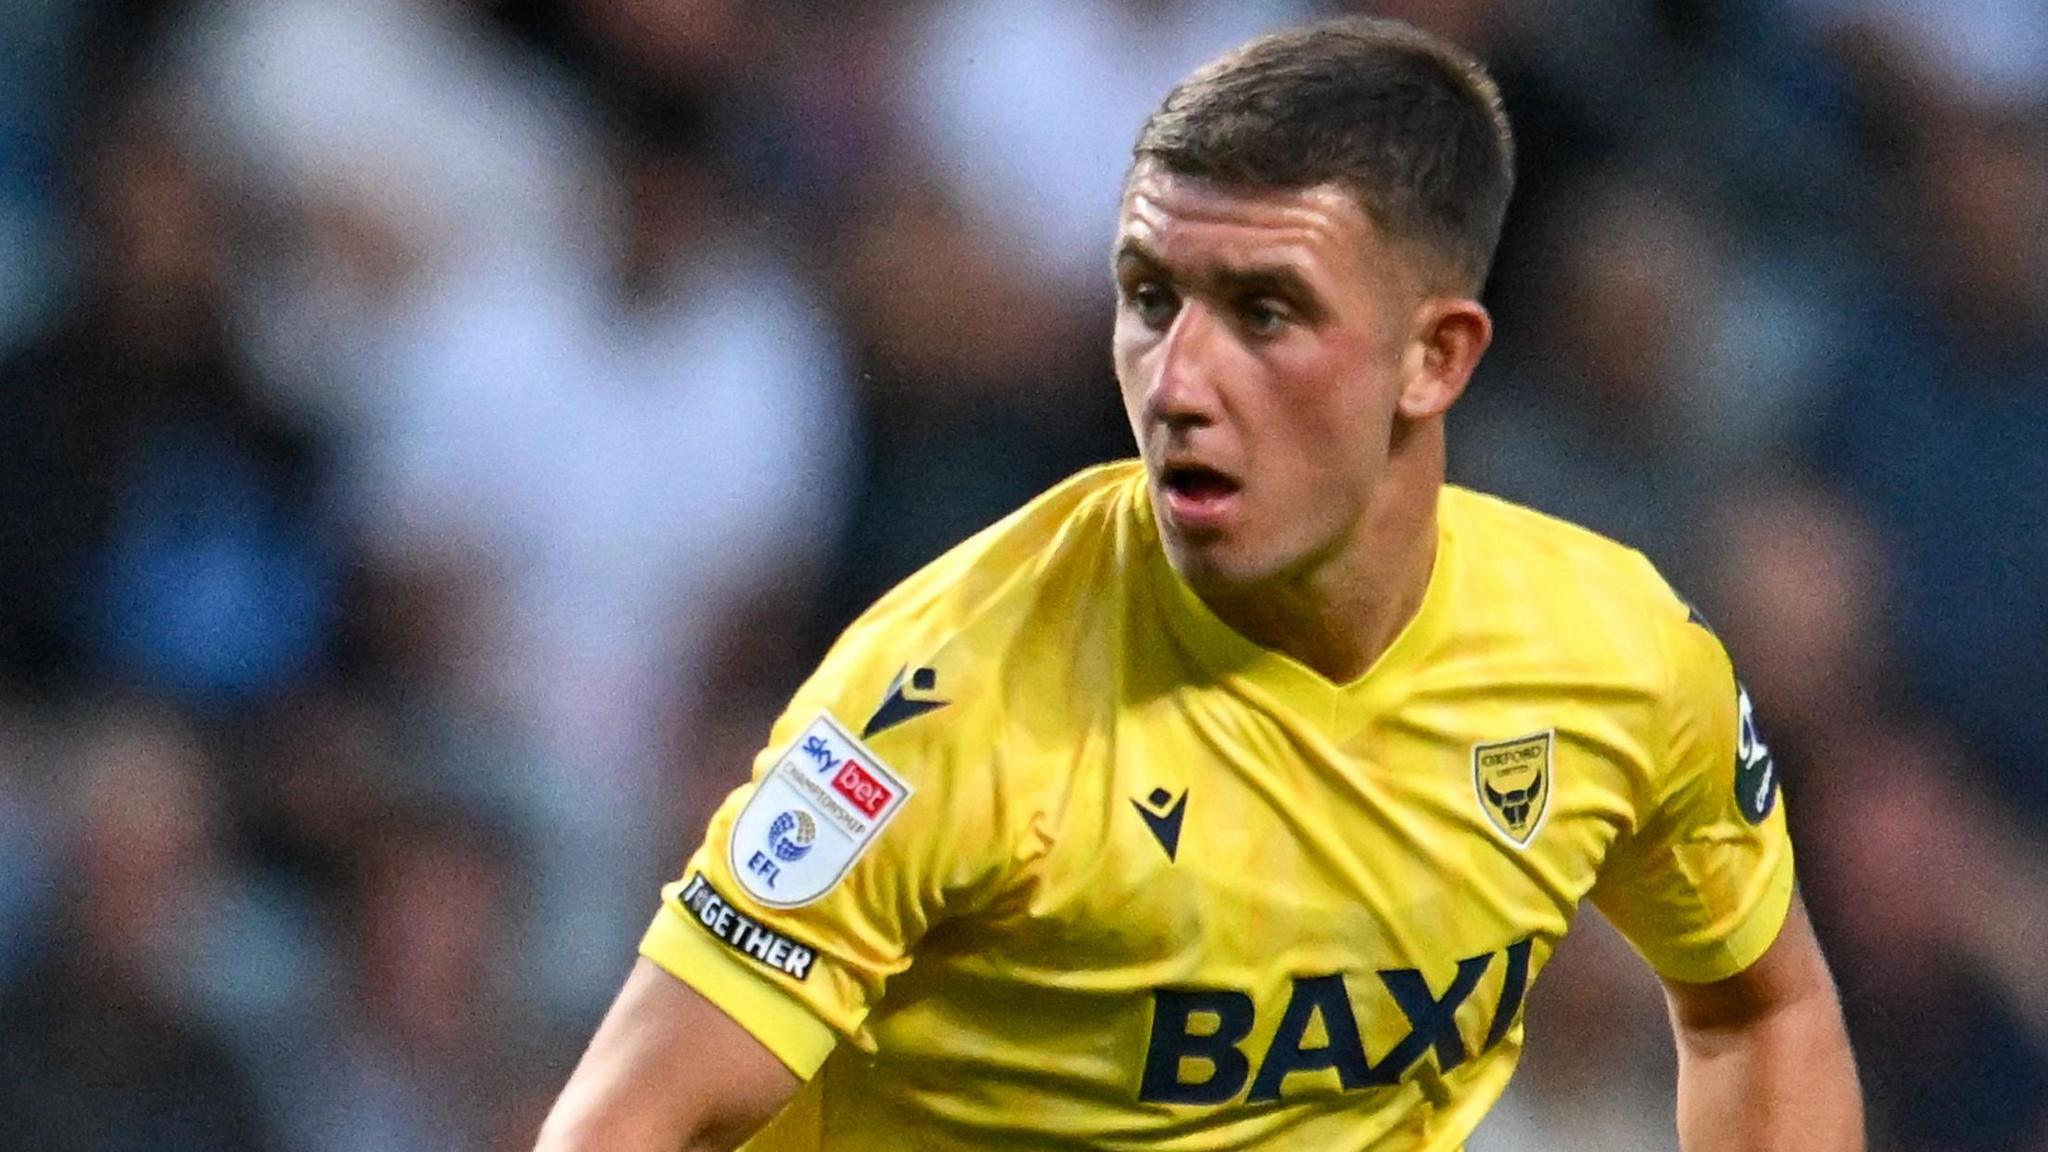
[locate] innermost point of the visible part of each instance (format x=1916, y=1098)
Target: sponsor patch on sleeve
x=741, y=933
x=1756, y=771
x=812, y=816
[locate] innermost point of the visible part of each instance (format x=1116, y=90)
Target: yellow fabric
x=1015, y=962
x=783, y=1024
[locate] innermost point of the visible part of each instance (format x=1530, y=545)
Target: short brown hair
x=1408, y=124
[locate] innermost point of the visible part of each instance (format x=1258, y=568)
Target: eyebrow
x=1255, y=279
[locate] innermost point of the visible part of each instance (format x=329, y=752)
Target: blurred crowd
x=435, y=435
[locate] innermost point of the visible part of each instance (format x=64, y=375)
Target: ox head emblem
x=1512, y=781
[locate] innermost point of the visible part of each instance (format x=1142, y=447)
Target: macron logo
x=1162, y=811
x=896, y=707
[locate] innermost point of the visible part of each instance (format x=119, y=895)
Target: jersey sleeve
x=870, y=816
x=1701, y=885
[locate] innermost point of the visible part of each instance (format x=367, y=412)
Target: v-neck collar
x=1338, y=710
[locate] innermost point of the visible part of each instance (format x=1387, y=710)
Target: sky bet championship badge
x=813, y=815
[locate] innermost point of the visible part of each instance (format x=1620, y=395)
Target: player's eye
x=1153, y=302
x=1265, y=315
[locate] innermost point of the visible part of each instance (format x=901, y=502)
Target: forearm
x=1784, y=1082
x=667, y=1072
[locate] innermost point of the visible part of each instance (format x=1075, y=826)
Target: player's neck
x=1340, y=614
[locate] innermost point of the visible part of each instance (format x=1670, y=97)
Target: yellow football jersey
x=1045, y=855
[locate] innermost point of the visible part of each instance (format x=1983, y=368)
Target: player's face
x=1260, y=346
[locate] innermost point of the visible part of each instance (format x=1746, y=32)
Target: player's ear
x=1451, y=334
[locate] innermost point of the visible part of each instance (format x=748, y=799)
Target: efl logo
x=867, y=793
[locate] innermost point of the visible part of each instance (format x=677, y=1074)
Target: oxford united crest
x=1512, y=779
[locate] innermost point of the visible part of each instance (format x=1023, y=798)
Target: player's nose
x=1184, y=387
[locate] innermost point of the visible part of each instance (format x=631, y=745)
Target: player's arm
x=1703, y=886
x=813, y=886
x=667, y=1070
x=1763, y=1056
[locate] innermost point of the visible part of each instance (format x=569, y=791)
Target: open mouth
x=1194, y=482
x=1197, y=496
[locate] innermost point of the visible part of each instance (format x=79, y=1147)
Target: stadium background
x=434, y=435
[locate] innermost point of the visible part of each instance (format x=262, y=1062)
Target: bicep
x=1763, y=1058
x=667, y=1070
x=1790, y=975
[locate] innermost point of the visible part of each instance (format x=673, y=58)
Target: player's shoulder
x=930, y=712
x=981, y=618
x=1526, y=536
x=1593, y=592
x=1067, y=530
